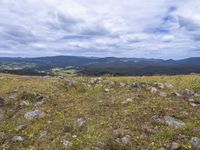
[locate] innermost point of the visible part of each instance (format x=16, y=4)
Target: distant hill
x=99, y=66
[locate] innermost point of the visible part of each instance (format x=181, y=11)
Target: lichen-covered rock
x=80, y=122
x=34, y=114
x=173, y=122
x=18, y=138
x=195, y=142
x=67, y=144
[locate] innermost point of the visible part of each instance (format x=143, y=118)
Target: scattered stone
x=67, y=144
x=68, y=134
x=49, y=122
x=173, y=146
x=127, y=101
x=156, y=119
x=168, y=86
x=106, y=90
x=126, y=139
x=17, y=139
x=2, y=101
x=2, y=135
x=34, y=114
x=80, y=122
x=153, y=90
x=21, y=127
x=1, y=115
x=37, y=104
x=120, y=132
x=163, y=94
x=195, y=142
x=173, y=122
x=187, y=92
x=42, y=134
x=25, y=103
x=159, y=85
x=139, y=85
x=175, y=94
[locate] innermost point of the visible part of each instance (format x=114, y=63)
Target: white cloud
x=131, y=28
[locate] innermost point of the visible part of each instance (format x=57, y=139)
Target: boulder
x=34, y=114
x=17, y=139
x=173, y=122
x=195, y=142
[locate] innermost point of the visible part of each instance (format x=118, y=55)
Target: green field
x=108, y=113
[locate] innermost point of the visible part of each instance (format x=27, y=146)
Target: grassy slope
x=102, y=110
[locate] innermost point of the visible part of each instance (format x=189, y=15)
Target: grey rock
x=173, y=122
x=126, y=139
x=106, y=90
x=1, y=114
x=34, y=114
x=2, y=135
x=195, y=142
x=173, y=146
x=70, y=83
x=153, y=90
x=68, y=134
x=120, y=132
x=67, y=144
x=20, y=127
x=168, y=86
x=159, y=85
x=187, y=92
x=127, y=101
x=163, y=94
x=42, y=134
x=17, y=139
x=37, y=104
x=80, y=122
x=175, y=94
x=156, y=119
x=2, y=101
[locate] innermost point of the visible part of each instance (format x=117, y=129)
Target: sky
x=167, y=29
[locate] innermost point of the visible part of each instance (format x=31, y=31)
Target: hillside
x=107, y=113
x=72, y=66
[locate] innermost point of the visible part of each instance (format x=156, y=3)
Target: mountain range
x=94, y=66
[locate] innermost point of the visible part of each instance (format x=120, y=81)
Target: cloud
x=132, y=28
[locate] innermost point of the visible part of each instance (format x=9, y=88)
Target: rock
x=49, y=122
x=25, y=103
x=2, y=101
x=175, y=94
x=37, y=104
x=80, y=122
x=195, y=142
x=153, y=90
x=1, y=115
x=159, y=85
x=173, y=122
x=34, y=114
x=168, y=86
x=96, y=80
x=187, y=92
x=70, y=83
x=120, y=132
x=126, y=139
x=17, y=139
x=162, y=148
x=139, y=85
x=68, y=134
x=127, y=101
x=42, y=134
x=163, y=94
x=21, y=127
x=2, y=135
x=173, y=146
x=106, y=90
x=2, y=78
x=156, y=119
x=67, y=144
